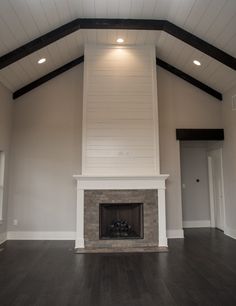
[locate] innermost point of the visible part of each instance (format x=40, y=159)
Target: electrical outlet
x=15, y=222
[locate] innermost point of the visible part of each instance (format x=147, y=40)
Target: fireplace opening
x=121, y=221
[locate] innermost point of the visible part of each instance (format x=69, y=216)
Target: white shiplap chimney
x=120, y=119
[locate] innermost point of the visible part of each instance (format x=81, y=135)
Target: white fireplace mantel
x=120, y=183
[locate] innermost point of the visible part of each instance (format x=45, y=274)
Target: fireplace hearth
x=121, y=221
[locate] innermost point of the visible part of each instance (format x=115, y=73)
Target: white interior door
x=216, y=188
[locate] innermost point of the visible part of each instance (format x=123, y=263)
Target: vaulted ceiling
x=214, y=21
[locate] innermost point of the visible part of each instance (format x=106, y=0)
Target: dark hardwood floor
x=199, y=270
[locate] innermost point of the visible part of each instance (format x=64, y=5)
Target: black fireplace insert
x=121, y=221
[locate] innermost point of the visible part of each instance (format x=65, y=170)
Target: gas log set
x=120, y=228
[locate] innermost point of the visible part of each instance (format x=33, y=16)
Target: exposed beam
x=200, y=44
x=200, y=134
x=47, y=77
x=39, y=43
x=129, y=24
x=189, y=79
x=79, y=60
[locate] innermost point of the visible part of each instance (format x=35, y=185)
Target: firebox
x=121, y=221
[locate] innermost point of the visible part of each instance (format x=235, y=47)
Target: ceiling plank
x=128, y=24
x=80, y=60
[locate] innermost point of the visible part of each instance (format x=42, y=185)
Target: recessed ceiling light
x=120, y=40
x=42, y=60
x=196, y=62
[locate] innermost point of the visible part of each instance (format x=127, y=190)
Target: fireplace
x=121, y=221
x=98, y=198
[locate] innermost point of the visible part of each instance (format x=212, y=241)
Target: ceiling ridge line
x=128, y=24
x=80, y=60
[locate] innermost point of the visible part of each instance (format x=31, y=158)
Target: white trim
x=79, y=240
x=120, y=183
x=223, y=187
x=211, y=191
x=196, y=223
x=162, y=218
x=29, y=235
x=173, y=234
x=230, y=232
x=3, y=237
x=155, y=111
x=211, y=188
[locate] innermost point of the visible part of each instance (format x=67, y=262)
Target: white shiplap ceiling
x=24, y=20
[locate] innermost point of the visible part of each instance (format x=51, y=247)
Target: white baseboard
x=173, y=234
x=230, y=232
x=27, y=235
x=3, y=237
x=196, y=223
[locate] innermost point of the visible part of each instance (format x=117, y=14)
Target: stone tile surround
x=92, y=199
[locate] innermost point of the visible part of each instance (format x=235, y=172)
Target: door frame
x=211, y=188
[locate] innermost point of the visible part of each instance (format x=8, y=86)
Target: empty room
x=117, y=152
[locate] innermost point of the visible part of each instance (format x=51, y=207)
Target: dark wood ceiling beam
x=189, y=79
x=122, y=24
x=39, y=43
x=129, y=24
x=79, y=60
x=47, y=77
x=200, y=44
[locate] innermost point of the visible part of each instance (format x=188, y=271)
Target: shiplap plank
x=136, y=8
x=8, y=14
x=227, y=36
x=100, y=8
x=180, y=10
x=76, y=8
x=102, y=37
x=25, y=17
x=227, y=13
x=63, y=11
x=124, y=8
x=161, y=9
x=211, y=14
x=7, y=40
x=89, y=8
x=38, y=11
x=148, y=9
x=196, y=14
x=112, y=8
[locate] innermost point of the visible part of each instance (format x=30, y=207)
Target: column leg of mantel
x=162, y=218
x=79, y=242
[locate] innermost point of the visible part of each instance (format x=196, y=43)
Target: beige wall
x=229, y=163
x=46, y=152
x=181, y=105
x=5, y=135
x=46, y=148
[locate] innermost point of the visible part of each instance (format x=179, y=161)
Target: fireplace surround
x=95, y=190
